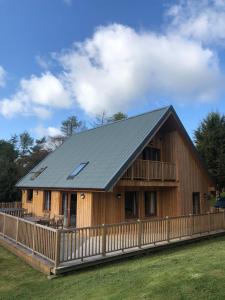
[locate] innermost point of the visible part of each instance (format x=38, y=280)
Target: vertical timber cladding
x=191, y=175
x=36, y=205
x=84, y=209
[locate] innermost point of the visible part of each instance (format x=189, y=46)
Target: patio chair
x=59, y=220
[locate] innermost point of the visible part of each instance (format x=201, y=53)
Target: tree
x=25, y=143
x=100, y=119
x=210, y=142
x=117, y=117
x=70, y=126
x=9, y=172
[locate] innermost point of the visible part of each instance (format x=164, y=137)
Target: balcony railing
x=151, y=170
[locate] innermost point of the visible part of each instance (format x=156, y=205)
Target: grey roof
x=109, y=149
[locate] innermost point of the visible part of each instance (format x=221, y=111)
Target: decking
x=66, y=249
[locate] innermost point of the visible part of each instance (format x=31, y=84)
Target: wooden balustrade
x=17, y=204
x=37, y=238
x=81, y=243
x=63, y=245
x=151, y=170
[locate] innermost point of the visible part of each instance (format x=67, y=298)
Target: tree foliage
x=210, y=142
x=70, y=126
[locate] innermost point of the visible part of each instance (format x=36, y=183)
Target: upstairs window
x=77, y=170
x=151, y=154
x=196, y=203
x=47, y=201
x=131, y=205
x=150, y=204
x=29, y=195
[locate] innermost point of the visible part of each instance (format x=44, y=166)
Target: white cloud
x=47, y=131
x=119, y=66
x=42, y=62
x=2, y=76
x=199, y=20
x=36, y=96
x=68, y=2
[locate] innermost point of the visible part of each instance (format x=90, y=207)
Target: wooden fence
x=17, y=204
x=67, y=245
x=86, y=242
x=37, y=238
x=151, y=170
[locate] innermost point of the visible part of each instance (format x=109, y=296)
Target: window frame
x=149, y=198
x=30, y=195
x=194, y=206
x=151, y=153
x=76, y=171
x=47, y=207
x=135, y=205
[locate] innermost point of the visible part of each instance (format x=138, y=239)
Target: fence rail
x=17, y=204
x=65, y=245
x=151, y=170
x=92, y=241
x=37, y=238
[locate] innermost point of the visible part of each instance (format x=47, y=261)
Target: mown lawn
x=190, y=272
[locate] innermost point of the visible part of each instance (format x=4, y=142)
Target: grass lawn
x=195, y=271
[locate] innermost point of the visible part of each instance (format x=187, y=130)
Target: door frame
x=68, y=207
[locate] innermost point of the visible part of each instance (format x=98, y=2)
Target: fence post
x=17, y=229
x=103, y=239
x=33, y=238
x=168, y=228
x=57, y=247
x=191, y=225
x=139, y=223
x=209, y=221
x=4, y=225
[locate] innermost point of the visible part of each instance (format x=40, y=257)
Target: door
x=196, y=203
x=73, y=209
x=65, y=208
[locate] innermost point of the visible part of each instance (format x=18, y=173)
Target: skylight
x=37, y=173
x=77, y=170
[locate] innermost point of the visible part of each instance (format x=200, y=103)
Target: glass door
x=73, y=209
x=65, y=208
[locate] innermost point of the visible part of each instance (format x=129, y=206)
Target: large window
x=196, y=203
x=29, y=195
x=131, y=205
x=151, y=154
x=150, y=199
x=47, y=200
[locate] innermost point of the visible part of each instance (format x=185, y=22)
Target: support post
x=139, y=223
x=17, y=229
x=168, y=228
x=57, y=247
x=162, y=166
x=103, y=240
x=191, y=224
x=4, y=225
x=33, y=238
x=209, y=222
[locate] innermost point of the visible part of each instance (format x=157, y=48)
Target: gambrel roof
x=108, y=151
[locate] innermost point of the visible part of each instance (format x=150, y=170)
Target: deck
x=62, y=250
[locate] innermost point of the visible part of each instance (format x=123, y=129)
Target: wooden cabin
x=142, y=167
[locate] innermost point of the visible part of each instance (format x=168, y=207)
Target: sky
x=81, y=57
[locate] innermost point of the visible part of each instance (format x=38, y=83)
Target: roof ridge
x=131, y=117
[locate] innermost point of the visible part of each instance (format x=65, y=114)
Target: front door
x=69, y=208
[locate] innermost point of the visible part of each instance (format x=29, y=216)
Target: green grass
x=194, y=271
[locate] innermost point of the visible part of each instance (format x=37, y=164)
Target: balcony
x=147, y=170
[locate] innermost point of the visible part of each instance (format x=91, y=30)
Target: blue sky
x=64, y=57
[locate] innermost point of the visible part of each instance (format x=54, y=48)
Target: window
x=131, y=205
x=196, y=203
x=47, y=200
x=77, y=170
x=35, y=174
x=151, y=154
x=150, y=204
x=29, y=195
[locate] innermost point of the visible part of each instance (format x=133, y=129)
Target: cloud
x=119, y=67
x=68, y=2
x=199, y=20
x=2, y=76
x=47, y=131
x=36, y=96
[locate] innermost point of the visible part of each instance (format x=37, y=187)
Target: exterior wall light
x=82, y=195
x=118, y=196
